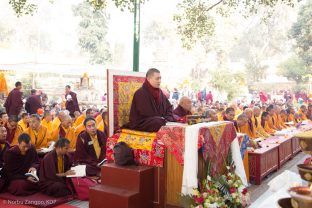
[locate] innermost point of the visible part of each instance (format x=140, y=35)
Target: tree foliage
x=294, y=69
x=255, y=70
x=301, y=31
x=194, y=20
x=227, y=81
x=92, y=33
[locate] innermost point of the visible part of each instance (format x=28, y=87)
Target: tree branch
x=214, y=5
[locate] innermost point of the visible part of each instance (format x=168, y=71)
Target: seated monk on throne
x=150, y=109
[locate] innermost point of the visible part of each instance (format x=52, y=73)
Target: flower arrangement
x=224, y=191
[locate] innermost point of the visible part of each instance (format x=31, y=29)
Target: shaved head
x=186, y=103
x=256, y=111
x=248, y=112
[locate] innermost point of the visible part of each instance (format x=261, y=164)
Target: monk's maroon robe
x=72, y=105
x=180, y=112
x=50, y=183
x=2, y=151
x=15, y=167
x=146, y=114
x=33, y=103
x=14, y=103
x=85, y=153
x=10, y=133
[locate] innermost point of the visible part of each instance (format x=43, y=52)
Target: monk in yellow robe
x=220, y=114
x=272, y=121
x=265, y=123
x=297, y=118
x=260, y=132
x=249, y=127
x=66, y=130
x=211, y=115
x=13, y=130
x=39, y=134
x=24, y=122
x=76, y=116
x=57, y=120
x=47, y=121
x=282, y=118
x=279, y=122
x=103, y=125
x=229, y=114
x=290, y=114
x=241, y=121
x=79, y=120
x=98, y=118
x=80, y=128
x=303, y=112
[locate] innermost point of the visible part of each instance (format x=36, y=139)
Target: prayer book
x=49, y=149
x=33, y=174
x=80, y=171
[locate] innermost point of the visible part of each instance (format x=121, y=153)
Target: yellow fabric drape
x=137, y=139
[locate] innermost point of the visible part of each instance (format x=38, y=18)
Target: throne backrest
x=121, y=86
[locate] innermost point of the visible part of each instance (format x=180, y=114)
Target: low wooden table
x=295, y=146
x=263, y=161
x=285, y=152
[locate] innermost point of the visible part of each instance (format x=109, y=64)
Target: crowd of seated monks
x=76, y=142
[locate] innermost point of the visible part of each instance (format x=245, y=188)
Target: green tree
x=226, y=81
x=194, y=22
x=301, y=31
x=255, y=70
x=294, y=69
x=92, y=33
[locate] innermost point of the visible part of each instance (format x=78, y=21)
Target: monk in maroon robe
x=4, y=146
x=33, y=103
x=71, y=101
x=13, y=104
x=20, y=160
x=3, y=118
x=183, y=109
x=91, y=147
x=13, y=130
x=53, y=171
x=150, y=109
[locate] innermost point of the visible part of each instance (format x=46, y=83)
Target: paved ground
x=257, y=191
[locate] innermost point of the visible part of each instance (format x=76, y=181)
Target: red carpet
x=36, y=200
